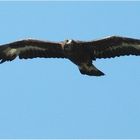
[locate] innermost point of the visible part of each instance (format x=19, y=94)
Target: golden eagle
x=80, y=53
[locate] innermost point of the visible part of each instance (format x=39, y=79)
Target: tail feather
x=90, y=70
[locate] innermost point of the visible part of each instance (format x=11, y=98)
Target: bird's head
x=69, y=41
x=69, y=44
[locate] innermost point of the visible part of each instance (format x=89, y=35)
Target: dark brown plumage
x=80, y=53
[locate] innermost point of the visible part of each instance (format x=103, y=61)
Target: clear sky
x=49, y=98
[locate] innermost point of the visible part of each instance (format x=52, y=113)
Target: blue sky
x=49, y=98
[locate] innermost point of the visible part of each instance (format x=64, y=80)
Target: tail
x=90, y=70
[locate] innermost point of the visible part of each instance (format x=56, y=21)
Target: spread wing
x=114, y=46
x=30, y=49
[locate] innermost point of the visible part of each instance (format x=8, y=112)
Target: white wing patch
x=16, y=51
x=136, y=46
x=31, y=48
x=12, y=51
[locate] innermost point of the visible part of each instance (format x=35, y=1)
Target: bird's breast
x=76, y=53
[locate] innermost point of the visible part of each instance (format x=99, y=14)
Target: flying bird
x=81, y=53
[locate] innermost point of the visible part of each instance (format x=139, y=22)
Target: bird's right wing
x=30, y=48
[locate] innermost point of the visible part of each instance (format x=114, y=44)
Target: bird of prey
x=80, y=53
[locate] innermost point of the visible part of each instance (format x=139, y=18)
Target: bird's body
x=80, y=53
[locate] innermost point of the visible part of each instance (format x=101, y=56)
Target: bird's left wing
x=114, y=46
x=30, y=48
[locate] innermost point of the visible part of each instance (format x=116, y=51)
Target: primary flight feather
x=80, y=53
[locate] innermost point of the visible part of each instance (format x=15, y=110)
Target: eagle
x=81, y=53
